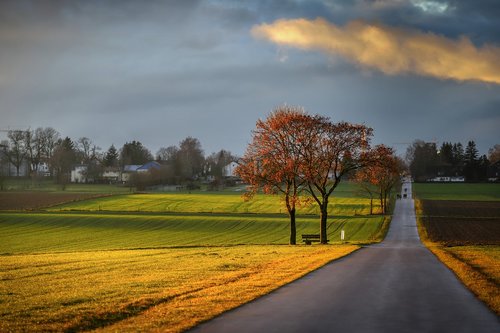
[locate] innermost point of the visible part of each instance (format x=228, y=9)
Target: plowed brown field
x=455, y=223
x=38, y=200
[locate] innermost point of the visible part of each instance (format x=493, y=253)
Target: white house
x=43, y=169
x=79, y=174
x=128, y=170
x=229, y=169
x=111, y=175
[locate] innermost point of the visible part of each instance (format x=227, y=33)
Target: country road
x=395, y=286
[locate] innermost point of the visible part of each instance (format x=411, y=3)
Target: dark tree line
x=43, y=152
x=427, y=161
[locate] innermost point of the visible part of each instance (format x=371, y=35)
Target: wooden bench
x=309, y=238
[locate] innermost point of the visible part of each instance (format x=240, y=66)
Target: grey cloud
x=158, y=71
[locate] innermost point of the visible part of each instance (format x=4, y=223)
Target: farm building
x=129, y=170
x=149, y=166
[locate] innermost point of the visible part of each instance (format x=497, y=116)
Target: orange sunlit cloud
x=388, y=49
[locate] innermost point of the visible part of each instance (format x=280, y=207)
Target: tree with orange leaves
x=383, y=173
x=334, y=150
x=292, y=151
x=273, y=160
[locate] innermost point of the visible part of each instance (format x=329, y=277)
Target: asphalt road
x=394, y=286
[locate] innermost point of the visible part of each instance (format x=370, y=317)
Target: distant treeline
x=43, y=152
x=427, y=161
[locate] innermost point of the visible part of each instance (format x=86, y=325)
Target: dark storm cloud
x=485, y=9
x=158, y=71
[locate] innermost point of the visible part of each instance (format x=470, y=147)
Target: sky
x=159, y=71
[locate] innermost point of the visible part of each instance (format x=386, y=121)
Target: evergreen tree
x=134, y=153
x=457, y=159
x=423, y=160
x=482, y=168
x=63, y=159
x=471, y=162
x=111, y=157
x=445, y=159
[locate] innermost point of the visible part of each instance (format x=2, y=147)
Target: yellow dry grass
x=478, y=267
x=167, y=290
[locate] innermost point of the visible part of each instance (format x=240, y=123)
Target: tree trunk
x=385, y=203
x=323, y=220
x=387, y=194
x=382, y=205
x=293, y=228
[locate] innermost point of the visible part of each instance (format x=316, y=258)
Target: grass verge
x=478, y=267
x=380, y=234
x=166, y=290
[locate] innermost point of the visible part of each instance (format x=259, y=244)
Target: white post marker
x=342, y=235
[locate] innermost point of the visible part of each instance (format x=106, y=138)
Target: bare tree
x=4, y=163
x=84, y=148
x=49, y=139
x=89, y=154
x=34, y=142
x=168, y=154
x=171, y=168
x=63, y=158
x=190, y=158
x=16, y=152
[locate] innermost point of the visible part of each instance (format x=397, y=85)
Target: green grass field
x=29, y=233
x=230, y=203
x=457, y=191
